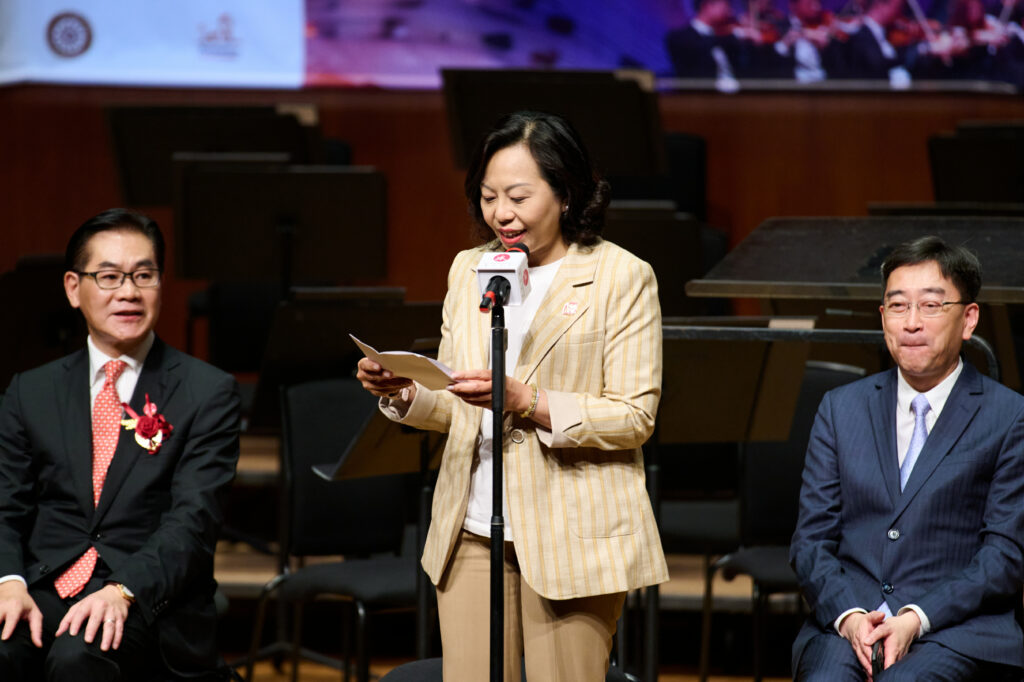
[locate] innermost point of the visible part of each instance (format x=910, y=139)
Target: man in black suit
x=112, y=464
x=869, y=54
x=706, y=47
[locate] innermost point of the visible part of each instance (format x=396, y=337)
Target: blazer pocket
x=603, y=495
x=576, y=338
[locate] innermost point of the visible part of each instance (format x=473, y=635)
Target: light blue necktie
x=920, y=407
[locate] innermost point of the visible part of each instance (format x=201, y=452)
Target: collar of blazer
x=961, y=406
x=566, y=301
x=156, y=378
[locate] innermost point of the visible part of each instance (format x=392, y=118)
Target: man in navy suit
x=109, y=514
x=912, y=507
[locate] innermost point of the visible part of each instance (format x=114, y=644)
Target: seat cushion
x=700, y=526
x=383, y=582
x=768, y=566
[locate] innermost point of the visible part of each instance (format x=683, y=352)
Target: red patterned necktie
x=106, y=427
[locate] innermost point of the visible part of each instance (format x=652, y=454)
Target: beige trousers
x=563, y=640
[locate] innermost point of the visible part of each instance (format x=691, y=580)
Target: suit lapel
x=159, y=384
x=882, y=407
x=959, y=410
x=566, y=301
x=76, y=417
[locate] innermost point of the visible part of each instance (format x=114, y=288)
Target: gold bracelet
x=528, y=412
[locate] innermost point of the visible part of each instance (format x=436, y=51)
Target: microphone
x=503, y=277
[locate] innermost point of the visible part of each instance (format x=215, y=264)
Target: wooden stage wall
x=768, y=155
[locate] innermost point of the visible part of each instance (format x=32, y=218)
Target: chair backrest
x=352, y=517
x=771, y=471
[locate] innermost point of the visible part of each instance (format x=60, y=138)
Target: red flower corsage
x=150, y=429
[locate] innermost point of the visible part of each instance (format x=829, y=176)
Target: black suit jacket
x=864, y=58
x=690, y=52
x=159, y=514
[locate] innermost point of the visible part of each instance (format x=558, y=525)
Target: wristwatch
x=126, y=593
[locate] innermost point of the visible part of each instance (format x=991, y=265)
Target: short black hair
x=958, y=264
x=75, y=256
x=564, y=164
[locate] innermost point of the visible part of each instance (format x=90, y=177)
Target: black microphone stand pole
x=498, y=342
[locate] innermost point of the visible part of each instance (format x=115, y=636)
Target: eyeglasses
x=924, y=308
x=143, y=278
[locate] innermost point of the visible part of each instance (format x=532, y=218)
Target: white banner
x=225, y=43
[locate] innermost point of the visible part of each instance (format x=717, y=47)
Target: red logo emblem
x=501, y=258
x=526, y=277
x=69, y=34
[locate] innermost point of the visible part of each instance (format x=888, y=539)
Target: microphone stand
x=498, y=343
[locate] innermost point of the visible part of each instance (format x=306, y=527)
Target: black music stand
x=946, y=208
x=668, y=240
x=47, y=327
x=294, y=224
x=719, y=391
x=386, y=448
x=145, y=138
x=309, y=338
x=802, y=265
x=624, y=140
x=977, y=167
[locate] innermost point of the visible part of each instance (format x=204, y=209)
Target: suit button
x=97, y=536
x=887, y=588
x=518, y=436
x=893, y=534
x=43, y=569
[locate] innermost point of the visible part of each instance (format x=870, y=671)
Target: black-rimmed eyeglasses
x=143, y=278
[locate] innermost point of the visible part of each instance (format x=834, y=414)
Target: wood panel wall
x=768, y=155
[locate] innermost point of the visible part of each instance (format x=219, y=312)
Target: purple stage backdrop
x=777, y=43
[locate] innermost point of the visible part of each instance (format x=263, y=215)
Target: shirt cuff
x=564, y=412
x=9, y=578
x=844, y=614
x=926, y=624
x=398, y=406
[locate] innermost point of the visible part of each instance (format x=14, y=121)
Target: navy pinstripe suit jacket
x=950, y=543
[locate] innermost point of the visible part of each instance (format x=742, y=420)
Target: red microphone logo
x=501, y=257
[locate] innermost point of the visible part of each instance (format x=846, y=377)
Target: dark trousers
x=70, y=659
x=830, y=658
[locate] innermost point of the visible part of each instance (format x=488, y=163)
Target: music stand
x=309, y=339
x=295, y=224
x=384, y=448
x=751, y=394
x=945, y=208
x=977, y=167
x=624, y=140
x=47, y=328
x=668, y=240
x=145, y=138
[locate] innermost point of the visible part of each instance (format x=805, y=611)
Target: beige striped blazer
x=580, y=515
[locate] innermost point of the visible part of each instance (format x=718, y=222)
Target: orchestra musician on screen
x=898, y=41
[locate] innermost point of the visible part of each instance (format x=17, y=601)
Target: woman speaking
x=583, y=384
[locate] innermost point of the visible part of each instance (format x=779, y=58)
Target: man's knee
x=70, y=659
x=20, y=659
x=828, y=658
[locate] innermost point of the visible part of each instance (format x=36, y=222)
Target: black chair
x=362, y=519
x=429, y=670
x=770, y=480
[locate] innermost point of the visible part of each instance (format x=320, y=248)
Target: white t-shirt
x=517, y=322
